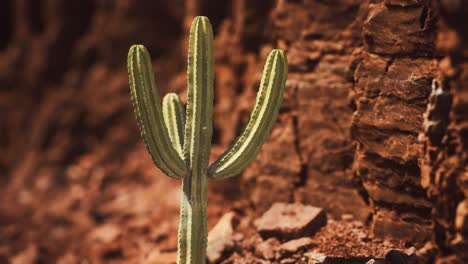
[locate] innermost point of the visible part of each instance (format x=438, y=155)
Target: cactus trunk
x=193, y=228
x=198, y=132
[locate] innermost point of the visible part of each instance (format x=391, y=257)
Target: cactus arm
x=197, y=143
x=174, y=117
x=268, y=101
x=198, y=129
x=146, y=104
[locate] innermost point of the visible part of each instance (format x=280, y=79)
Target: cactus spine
x=179, y=143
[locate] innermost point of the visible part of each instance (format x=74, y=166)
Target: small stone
x=357, y=224
x=461, y=218
x=288, y=261
x=295, y=245
x=156, y=257
x=361, y=235
x=427, y=252
x=347, y=217
x=290, y=221
x=221, y=237
x=68, y=258
x=238, y=237
x=459, y=244
x=28, y=256
x=411, y=251
x=267, y=248
x=315, y=258
x=105, y=233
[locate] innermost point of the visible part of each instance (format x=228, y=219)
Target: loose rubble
x=289, y=221
x=391, y=257
x=295, y=245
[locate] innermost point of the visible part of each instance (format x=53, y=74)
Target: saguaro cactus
x=179, y=141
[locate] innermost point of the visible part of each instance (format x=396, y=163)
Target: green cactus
x=179, y=141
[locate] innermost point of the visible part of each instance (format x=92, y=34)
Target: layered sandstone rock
x=374, y=120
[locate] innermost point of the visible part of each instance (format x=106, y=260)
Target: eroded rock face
x=390, y=93
x=322, y=57
x=390, y=99
x=411, y=34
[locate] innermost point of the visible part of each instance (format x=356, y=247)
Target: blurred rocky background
x=374, y=124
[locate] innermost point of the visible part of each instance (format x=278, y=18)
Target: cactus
x=179, y=141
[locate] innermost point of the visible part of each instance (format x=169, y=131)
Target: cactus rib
x=146, y=104
x=268, y=101
x=174, y=117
